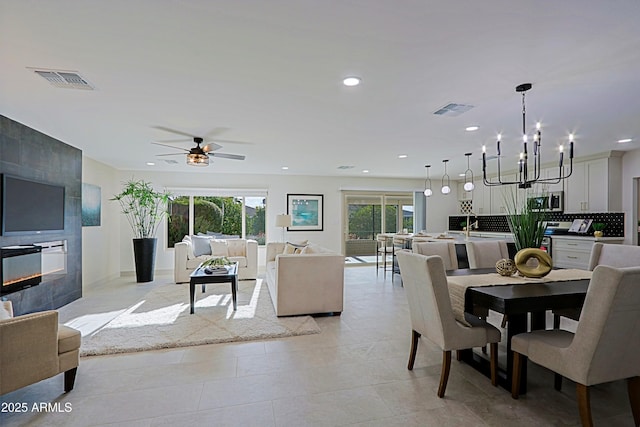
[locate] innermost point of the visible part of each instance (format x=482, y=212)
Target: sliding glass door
x=368, y=214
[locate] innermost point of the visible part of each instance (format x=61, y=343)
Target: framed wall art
x=306, y=212
x=91, y=205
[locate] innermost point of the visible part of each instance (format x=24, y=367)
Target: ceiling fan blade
x=171, y=146
x=176, y=140
x=230, y=141
x=172, y=154
x=211, y=146
x=215, y=131
x=177, y=132
x=228, y=156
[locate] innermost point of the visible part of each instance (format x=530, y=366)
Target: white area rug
x=161, y=319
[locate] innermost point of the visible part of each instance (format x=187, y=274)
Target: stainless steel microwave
x=551, y=202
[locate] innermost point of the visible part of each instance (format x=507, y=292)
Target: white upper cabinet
x=594, y=186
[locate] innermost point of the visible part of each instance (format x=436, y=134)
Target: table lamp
x=283, y=221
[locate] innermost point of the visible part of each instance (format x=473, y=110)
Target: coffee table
x=199, y=277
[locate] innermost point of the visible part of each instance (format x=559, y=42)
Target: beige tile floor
x=353, y=373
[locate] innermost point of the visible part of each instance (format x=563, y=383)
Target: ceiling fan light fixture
x=197, y=159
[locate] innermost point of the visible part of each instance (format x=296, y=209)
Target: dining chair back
x=485, y=254
x=445, y=250
x=606, y=343
x=425, y=283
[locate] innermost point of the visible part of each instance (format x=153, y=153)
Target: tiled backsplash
x=499, y=224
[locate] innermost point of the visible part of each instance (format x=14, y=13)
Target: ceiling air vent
x=171, y=161
x=453, y=110
x=65, y=79
x=346, y=167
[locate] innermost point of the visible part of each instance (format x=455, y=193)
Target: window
x=221, y=216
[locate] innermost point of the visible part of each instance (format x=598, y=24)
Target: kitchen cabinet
x=594, y=185
x=480, y=195
x=575, y=251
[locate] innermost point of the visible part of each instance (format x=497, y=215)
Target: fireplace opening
x=24, y=266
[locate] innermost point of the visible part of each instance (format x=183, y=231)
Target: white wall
x=630, y=171
x=277, y=187
x=101, y=244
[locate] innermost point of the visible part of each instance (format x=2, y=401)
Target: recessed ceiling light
x=461, y=174
x=622, y=141
x=351, y=81
x=365, y=171
x=402, y=156
x=471, y=128
x=150, y=164
x=284, y=168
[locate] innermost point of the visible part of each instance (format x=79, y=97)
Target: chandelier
x=527, y=176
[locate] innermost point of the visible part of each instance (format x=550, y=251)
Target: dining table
x=524, y=303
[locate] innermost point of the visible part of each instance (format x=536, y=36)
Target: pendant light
x=468, y=176
x=427, y=183
x=446, y=187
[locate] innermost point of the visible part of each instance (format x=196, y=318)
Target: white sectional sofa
x=310, y=282
x=193, y=250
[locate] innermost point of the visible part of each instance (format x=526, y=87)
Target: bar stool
x=383, y=249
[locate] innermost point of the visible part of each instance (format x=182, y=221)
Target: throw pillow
x=308, y=250
x=219, y=247
x=294, y=248
x=4, y=314
x=201, y=245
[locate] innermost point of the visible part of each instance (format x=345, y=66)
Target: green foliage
x=143, y=207
x=526, y=224
x=598, y=226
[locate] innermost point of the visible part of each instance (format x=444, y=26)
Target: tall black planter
x=144, y=253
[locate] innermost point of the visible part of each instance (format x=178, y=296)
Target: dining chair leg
x=633, y=386
x=518, y=360
x=557, y=382
x=494, y=363
x=584, y=405
x=556, y=321
x=444, y=375
x=415, y=336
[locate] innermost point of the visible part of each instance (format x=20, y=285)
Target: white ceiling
x=268, y=72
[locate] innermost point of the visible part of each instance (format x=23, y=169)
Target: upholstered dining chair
x=605, y=346
x=603, y=254
x=445, y=250
x=425, y=282
x=486, y=254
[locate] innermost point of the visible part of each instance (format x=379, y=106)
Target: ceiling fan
x=199, y=155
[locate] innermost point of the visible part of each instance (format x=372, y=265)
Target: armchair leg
x=69, y=379
x=444, y=375
x=494, y=363
x=518, y=361
x=584, y=405
x=633, y=387
x=415, y=336
x=557, y=382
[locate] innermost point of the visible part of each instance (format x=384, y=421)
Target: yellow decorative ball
x=506, y=267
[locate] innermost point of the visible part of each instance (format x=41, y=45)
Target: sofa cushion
x=237, y=247
x=293, y=248
x=241, y=260
x=201, y=245
x=219, y=248
x=68, y=339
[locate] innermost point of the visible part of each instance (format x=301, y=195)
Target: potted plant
x=597, y=228
x=527, y=225
x=144, y=208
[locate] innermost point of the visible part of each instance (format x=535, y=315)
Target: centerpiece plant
x=526, y=223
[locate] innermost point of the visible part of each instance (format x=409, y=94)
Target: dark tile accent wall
x=499, y=224
x=27, y=153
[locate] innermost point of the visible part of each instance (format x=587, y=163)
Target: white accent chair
x=486, y=254
x=425, y=282
x=603, y=254
x=605, y=346
x=445, y=250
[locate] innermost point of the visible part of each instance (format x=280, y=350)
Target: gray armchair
x=605, y=346
x=425, y=283
x=34, y=347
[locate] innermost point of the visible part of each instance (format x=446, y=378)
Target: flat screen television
x=31, y=206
